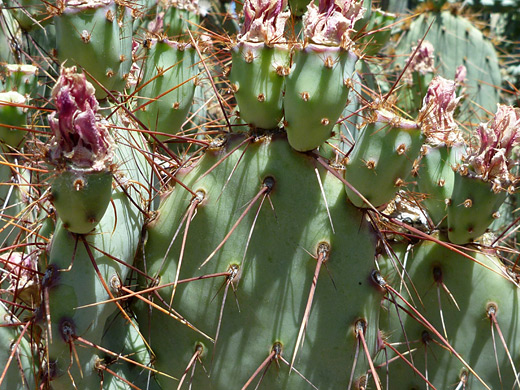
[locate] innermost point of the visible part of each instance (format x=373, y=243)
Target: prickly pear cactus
x=254, y=195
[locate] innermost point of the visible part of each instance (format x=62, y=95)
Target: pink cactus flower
x=332, y=22
x=436, y=114
x=421, y=61
x=80, y=135
x=492, y=160
x=264, y=21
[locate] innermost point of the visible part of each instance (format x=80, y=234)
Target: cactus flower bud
x=264, y=21
x=492, y=160
x=436, y=114
x=460, y=74
x=80, y=135
x=332, y=22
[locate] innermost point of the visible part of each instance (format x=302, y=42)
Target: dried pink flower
x=332, y=22
x=421, y=61
x=492, y=160
x=264, y=21
x=436, y=114
x=80, y=135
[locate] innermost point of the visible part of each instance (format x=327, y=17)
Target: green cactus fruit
x=96, y=35
x=485, y=177
x=436, y=179
x=382, y=158
x=82, y=152
x=168, y=86
x=316, y=93
x=81, y=198
x=13, y=118
x=472, y=208
x=257, y=80
x=444, y=148
x=470, y=318
x=268, y=261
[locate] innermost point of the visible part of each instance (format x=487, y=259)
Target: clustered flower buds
x=436, y=114
x=492, y=160
x=332, y=22
x=80, y=135
x=264, y=21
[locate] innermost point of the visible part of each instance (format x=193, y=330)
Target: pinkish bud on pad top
x=437, y=111
x=80, y=135
x=264, y=21
x=332, y=22
x=492, y=160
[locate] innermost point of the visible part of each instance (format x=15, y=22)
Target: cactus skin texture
x=463, y=315
x=253, y=194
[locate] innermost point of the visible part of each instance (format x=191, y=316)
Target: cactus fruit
x=311, y=227
x=82, y=154
x=382, y=158
x=485, y=178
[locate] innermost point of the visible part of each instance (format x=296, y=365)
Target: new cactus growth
x=328, y=217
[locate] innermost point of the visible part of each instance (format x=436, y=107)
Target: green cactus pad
x=168, y=86
x=276, y=268
x=98, y=38
x=472, y=208
x=382, y=158
x=436, y=177
x=316, y=93
x=440, y=274
x=257, y=79
x=81, y=198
